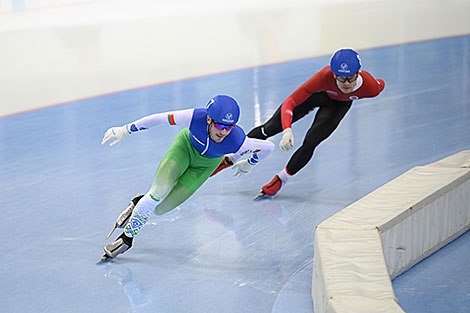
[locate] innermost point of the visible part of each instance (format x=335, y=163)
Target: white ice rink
x=69, y=69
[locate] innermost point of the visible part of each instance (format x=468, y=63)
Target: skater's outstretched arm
x=259, y=149
x=116, y=134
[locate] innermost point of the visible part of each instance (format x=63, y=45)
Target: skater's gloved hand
x=287, y=141
x=116, y=134
x=242, y=167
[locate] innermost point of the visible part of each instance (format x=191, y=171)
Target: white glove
x=242, y=167
x=287, y=141
x=116, y=134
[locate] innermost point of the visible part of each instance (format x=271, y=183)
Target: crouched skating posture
x=209, y=133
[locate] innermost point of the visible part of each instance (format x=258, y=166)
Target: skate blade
x=116, y=225
x=111, y=232
x=104, y=258
x=260, y=196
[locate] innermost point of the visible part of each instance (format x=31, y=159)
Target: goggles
x=220, y=126
x=343, y=79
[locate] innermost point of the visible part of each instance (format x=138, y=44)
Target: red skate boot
x=270, y=189
x=226, y=162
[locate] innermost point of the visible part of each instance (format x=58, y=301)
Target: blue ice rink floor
x=220, y=251
x=440, y=283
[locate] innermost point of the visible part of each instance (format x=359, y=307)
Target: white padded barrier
x=359, y=249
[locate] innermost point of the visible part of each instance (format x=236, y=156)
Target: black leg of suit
x=327, y=119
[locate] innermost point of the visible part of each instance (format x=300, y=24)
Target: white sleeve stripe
x=264, y=147
x=182, y=118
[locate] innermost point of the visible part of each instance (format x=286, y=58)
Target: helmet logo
x=228, y=118
x=343, y=68
x=210, y=102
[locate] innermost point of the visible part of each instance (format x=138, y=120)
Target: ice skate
x=226, y=162
x=119, y=246
x=123, y=218
x=270, y=189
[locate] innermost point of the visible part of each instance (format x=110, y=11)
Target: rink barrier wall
x=361, y=248
x=81, y=54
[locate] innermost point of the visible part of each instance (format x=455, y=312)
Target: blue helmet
x=345, y=62
x=223, y=110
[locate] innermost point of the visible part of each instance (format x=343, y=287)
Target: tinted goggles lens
x=343, y=79
x=223, y=126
